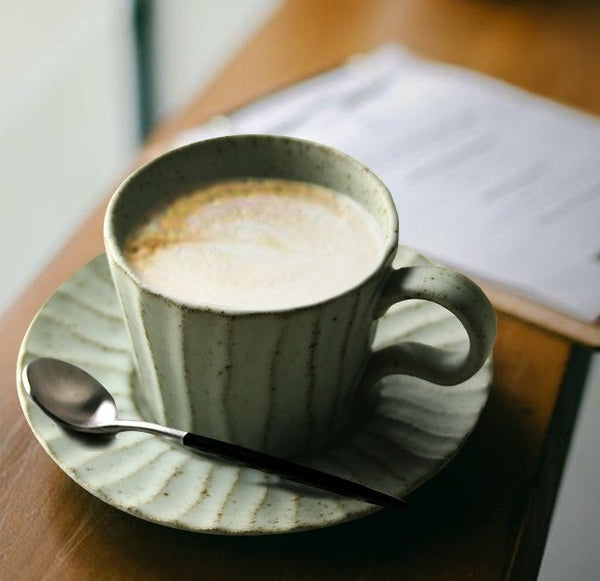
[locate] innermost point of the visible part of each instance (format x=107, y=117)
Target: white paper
x=486, y=178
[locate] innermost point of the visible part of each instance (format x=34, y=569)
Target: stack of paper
x=486, y=178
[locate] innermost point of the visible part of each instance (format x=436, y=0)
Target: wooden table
x=486, y=515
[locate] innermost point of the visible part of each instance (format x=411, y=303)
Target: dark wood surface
x=474, y=520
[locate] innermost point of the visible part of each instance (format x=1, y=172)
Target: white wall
x=68, y=123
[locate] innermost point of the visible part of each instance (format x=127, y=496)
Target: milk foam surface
x=256, y=245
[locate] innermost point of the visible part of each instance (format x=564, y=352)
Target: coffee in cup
x=255, y=244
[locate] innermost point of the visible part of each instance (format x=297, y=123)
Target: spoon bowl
x=69, y=394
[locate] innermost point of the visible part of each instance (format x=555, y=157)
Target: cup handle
x=459, y=295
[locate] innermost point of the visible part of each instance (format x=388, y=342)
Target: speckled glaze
x=408, y=429
x=283, y=381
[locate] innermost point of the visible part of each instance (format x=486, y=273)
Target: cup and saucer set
x=283, y=381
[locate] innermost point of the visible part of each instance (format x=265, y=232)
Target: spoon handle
x=290, y=470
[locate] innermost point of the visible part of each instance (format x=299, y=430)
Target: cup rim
x=116, y=256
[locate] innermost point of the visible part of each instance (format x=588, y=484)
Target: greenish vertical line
x=142, y=32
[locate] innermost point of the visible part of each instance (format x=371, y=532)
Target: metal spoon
x=78, y=401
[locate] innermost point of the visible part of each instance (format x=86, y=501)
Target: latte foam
x=255, y=244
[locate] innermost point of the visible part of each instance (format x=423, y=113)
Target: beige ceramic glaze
x=407, y=432
x=281, y=381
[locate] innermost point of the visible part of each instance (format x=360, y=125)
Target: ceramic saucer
x=412, y=430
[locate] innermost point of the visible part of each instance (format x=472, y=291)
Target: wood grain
x=466, y=523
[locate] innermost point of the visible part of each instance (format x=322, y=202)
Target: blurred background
x=81, y=85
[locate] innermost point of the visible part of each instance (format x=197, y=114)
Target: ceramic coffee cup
x=281, y=381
